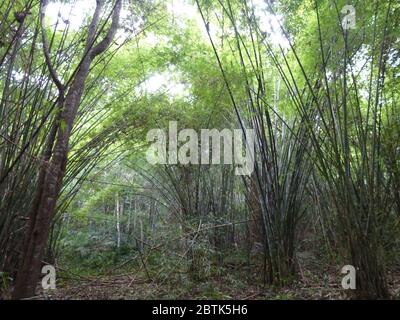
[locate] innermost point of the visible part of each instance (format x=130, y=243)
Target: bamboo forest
x=199, y=150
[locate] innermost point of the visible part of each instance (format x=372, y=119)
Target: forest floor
x=127, y=287
x=232, y=283
x=231, y=279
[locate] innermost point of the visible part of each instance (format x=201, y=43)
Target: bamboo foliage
x=281, y=166
x=338, y=126
x=347, y=142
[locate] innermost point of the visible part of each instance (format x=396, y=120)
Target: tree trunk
x=52, y=174
x=256, y=230
x=117, y=213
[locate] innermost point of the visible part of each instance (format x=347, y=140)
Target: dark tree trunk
x=367, y=258
x=256, y=223
x=52, y=174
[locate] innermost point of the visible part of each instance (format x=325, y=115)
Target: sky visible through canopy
x=74, y=13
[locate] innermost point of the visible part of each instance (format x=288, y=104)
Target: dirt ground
x=131, y=287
